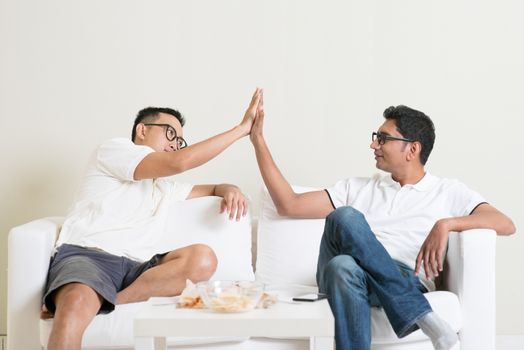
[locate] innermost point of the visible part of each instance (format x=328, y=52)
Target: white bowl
x=230, y=296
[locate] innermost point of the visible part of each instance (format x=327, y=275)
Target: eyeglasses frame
x=376, y=136
x=167, y=126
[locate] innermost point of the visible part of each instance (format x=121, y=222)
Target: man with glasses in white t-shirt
x=104, y=251
x=380, y=231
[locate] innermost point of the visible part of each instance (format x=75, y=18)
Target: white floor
x=504, y=342
x=510, y=342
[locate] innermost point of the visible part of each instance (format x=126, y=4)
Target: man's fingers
x=244, y=212
x=239, y=211
x=255, y=95
x=417, y=264
x=434, y=263
x=229, y=207
x=233, y=210
x=440, y=261
x=427, y=268
x=255, y=99
x=235, y=204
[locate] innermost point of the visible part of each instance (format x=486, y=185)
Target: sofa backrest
x=287, y=249
x=198, y=221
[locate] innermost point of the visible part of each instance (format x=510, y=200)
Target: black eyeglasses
x=171, y=135
x=382, y=138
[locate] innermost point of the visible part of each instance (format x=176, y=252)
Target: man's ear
x=140, y=130
x=414, y=151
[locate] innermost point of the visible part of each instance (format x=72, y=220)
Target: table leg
x=150, y=343
x=321, y=343
x=160, y=343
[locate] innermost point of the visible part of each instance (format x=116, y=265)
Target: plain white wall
x=74, y=73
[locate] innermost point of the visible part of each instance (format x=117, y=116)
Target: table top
x=279, y=320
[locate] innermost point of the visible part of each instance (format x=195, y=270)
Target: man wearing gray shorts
x=104, y=251
x=105, y=273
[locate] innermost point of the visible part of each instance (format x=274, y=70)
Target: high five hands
x=250, y=115
x=252, y=122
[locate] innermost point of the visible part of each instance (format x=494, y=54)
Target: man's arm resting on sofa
x=483, y=216
x=233, y=200
x=431, y=254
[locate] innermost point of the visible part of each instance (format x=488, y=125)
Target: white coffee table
x=154, y=323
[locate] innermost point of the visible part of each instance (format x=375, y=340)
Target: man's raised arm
x=162, y=164
x=311, y=205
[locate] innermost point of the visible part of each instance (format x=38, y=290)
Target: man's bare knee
x=75, y=299
x=202, y=262
x=76, y=305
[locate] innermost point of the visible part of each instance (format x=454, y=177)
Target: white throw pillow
x=288, y=248
x=198, y=221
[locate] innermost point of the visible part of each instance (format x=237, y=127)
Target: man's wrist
x=242, y=130
x=445, y=224
x=258, y=140
x=222, y=189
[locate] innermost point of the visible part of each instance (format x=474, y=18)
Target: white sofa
x=286, y=251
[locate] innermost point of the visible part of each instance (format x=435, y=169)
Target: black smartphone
x=310, y=297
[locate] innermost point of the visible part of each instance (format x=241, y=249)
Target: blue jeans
x=357, y=272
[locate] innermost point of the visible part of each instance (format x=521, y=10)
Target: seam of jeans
x=413, y=325
x=406, y=330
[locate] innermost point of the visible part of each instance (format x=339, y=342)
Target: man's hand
x=433, y=250
x=234, y=202
x=258, y=125
x=251, y=111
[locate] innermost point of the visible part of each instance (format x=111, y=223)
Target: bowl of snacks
x=230, y=296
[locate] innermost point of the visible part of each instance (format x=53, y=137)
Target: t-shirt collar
x=423, y=185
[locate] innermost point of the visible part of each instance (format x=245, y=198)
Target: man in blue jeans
x=380, y=231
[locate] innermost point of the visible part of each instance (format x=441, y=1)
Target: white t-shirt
x=115, y=213
x=402, y=216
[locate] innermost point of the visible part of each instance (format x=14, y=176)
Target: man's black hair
x=150, y=114
x=413, y=125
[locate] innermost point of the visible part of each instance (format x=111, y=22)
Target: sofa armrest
x=29, y=250
x=470, y=274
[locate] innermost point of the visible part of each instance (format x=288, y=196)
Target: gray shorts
x=107, y=274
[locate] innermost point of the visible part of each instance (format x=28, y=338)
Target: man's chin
x=379, y=166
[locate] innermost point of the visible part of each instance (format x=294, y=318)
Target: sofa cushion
x=287, y=249
x=198, y=221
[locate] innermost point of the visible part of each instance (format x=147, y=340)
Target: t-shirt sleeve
x=465, y=200
x=339, y=193
x=120, y=157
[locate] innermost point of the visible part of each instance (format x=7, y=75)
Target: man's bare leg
x=196, y=262
x=76, y=305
